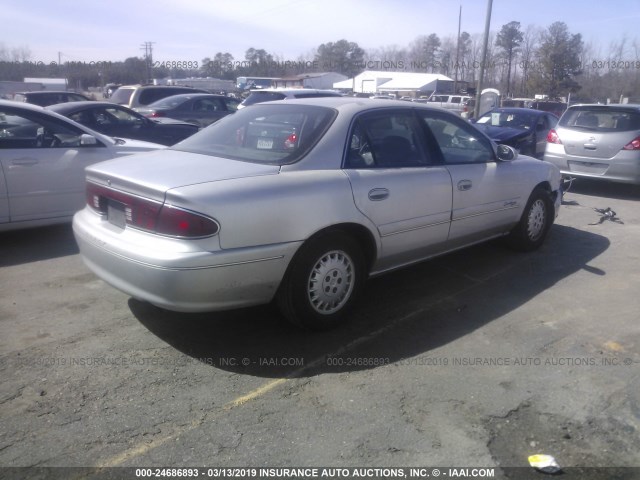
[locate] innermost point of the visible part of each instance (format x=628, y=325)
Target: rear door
x=43, y=164
x=397, y=187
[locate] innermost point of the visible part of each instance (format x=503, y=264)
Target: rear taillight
x=633, y=144
x=552, y=137
x=176, y=222
x=150, y=215
x=291, y=140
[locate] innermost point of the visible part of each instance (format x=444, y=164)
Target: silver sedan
x=301, y=201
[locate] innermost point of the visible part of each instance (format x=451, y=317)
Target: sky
x=190, y=30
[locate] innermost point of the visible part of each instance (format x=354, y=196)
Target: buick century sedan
x=301, y=201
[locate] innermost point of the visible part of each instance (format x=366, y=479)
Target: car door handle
x=378, y=194
x=464, y=185
x=25, y=161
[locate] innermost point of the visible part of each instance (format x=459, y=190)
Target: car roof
x=38, y=92
x=517, y=110
x=69, y=106
x=293, y=90
x=633, y=106
x=194, y=95
x=355, y=104
x=26, y=106
x=138, y=85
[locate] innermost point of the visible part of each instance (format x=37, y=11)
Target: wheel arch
x=361, y=234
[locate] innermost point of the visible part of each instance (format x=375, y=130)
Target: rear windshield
x=122, y=96
x=601, y=119
x=270, y=134
x=259, y=97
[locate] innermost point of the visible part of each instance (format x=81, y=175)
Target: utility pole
x=487, y=26
x=148, y=57
x=455, y=81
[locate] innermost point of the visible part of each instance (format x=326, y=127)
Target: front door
x=487, y=193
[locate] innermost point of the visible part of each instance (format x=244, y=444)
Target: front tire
x=322, y=282
x=530, y=232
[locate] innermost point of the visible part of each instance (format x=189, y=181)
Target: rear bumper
x=179, y=279
x=624, y=167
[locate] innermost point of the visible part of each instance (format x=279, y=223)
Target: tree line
x=520, y=62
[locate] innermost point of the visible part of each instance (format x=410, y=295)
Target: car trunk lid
x=152, y=174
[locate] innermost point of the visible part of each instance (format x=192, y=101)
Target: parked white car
x=301, y=201
x=42, y=160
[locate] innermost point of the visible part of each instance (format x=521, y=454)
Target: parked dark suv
x=46, y=98
x=136, y=96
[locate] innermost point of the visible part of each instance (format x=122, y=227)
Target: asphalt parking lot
x=477, y=359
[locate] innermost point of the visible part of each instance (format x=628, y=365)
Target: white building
x=399, y=83
x=49, y=83
x=321, y=80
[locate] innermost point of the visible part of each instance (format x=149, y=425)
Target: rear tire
x=537, y=218
x=322, y=282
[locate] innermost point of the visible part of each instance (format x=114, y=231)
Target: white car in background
x=42, y=160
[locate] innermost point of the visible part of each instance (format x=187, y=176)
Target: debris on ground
x=607, y=214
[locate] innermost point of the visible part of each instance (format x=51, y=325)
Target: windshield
x=272, y=134
x=601, y=119
x=508, y=119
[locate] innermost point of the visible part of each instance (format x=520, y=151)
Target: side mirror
x=88, y=140
x=472, y=120
x=506, y=153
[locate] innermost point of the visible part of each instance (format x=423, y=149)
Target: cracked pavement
x=479, y=358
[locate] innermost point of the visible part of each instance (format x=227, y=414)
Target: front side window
x=457, y=141
x=271, y=134
x=385, y=140
x=30, y=130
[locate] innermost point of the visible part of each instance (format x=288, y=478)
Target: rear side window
x=600, y=119
x=385, y=140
